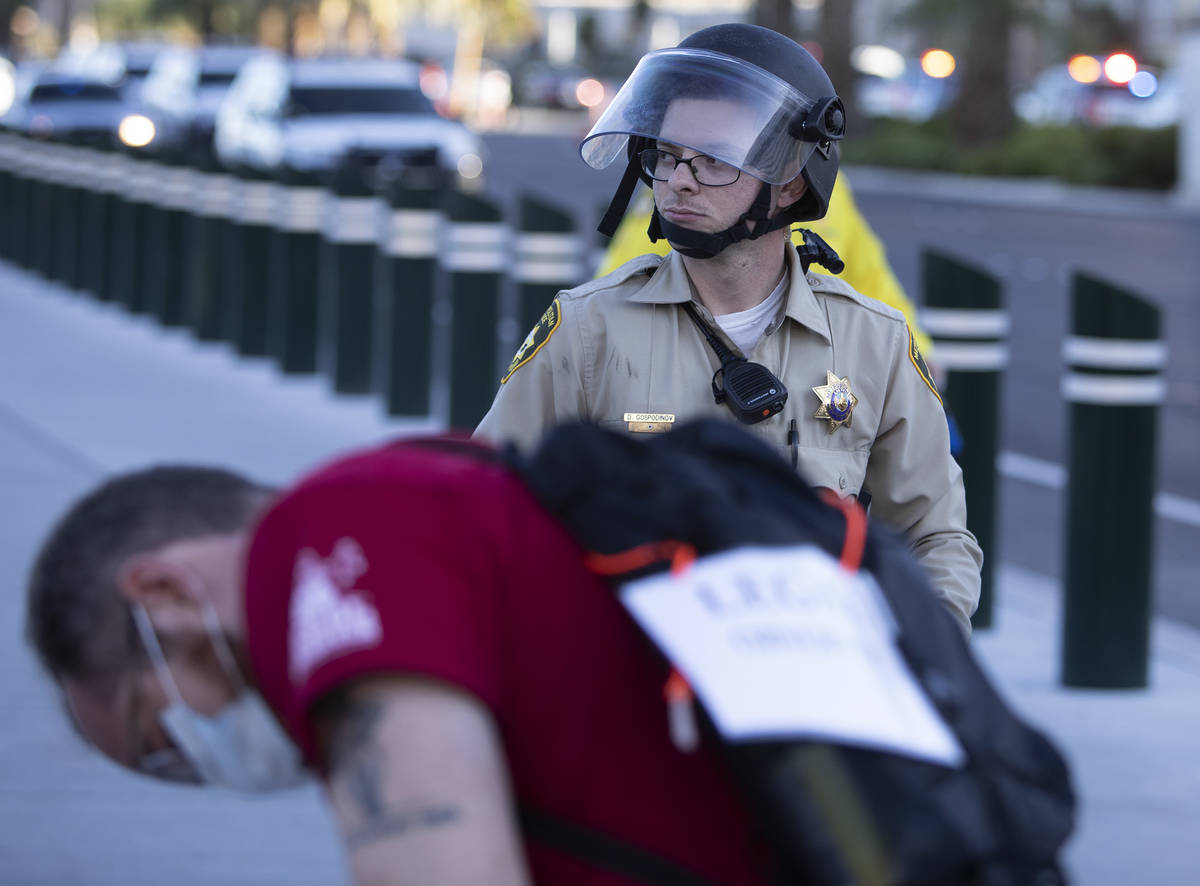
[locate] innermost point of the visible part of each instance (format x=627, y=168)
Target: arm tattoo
x=398, y=822
x=357, y=761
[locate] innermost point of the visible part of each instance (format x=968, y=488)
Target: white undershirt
x=745, y=328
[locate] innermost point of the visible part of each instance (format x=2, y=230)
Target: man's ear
x=164, y=589
x=792, y=191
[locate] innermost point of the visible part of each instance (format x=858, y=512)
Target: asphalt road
x=1033, y=237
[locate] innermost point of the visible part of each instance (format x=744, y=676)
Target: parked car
x=184, y=89
x=1055, y=97
x=124, y=65
x=911, y=95
x=49, y=103
x=307, y=114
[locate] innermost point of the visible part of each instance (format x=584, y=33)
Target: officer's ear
x=791, y=192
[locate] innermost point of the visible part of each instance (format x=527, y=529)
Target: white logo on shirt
x=324, y=618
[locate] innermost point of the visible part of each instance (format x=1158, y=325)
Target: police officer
x=736, y=132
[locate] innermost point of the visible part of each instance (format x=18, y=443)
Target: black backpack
x=836, y=814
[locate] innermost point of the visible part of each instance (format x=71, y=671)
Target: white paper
x=785, y=643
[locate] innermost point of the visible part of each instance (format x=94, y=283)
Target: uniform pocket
x=842, y=470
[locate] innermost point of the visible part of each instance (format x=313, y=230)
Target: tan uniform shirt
x=622, y=344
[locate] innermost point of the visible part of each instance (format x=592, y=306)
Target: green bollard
x=256, y=214
x=83, y=185
x=9, y=160
x=155, y=184
x=213, y=192
x=165, y=242
x=68, y=169
x=475, y=259
x=351, y=231
x=295, y=243
x=87, y=182
x=179, y=197
x=119, y=271
x=406, y=282
x=41, y=215
x=20, y=231
x=964, y=315
x=112, y=186
x=549, y=258
x=147, y=222
x=91, y=222
x=44, y=219
x=1114, y=383
x=129, y=249
x=231, y=274
x=30, y=202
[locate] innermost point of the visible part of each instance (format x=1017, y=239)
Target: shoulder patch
x=538, y=336
x=914, y=354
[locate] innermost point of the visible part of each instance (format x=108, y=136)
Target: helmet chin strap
x=697, y=244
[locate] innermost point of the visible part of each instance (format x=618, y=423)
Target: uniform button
x=842, y=482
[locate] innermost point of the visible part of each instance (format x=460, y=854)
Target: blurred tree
x=982, y=112
x=836, y=36
x=209, y=19
x=201, y=15
x=293, y=11
x=66, y=21
x=638, y=29
x=7, y=8
x=589, y=38
x=979, y=34
x=776, y=15
x=1096, y=27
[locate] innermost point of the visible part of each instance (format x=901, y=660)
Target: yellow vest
x=843, y=228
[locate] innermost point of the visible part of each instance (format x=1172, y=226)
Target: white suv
x=307, y=114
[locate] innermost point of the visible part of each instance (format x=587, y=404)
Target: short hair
x=75, y=618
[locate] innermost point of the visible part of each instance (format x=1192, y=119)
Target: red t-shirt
x=416, y=560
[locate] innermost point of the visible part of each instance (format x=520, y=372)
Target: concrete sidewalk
x=86, y=390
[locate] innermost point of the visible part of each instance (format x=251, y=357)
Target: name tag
x=784, y=643
x=649, y=422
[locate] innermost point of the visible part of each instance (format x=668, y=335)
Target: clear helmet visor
x=711, y=103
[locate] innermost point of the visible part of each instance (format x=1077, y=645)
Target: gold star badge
x=837, y=401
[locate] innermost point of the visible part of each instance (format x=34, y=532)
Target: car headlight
x=8, y=86
x=470, y=166
x=136, y=131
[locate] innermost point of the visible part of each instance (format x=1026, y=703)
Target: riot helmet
x=780, y=118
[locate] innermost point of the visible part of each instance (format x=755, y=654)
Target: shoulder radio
x=750, y=390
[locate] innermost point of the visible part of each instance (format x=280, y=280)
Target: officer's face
x=681, y=199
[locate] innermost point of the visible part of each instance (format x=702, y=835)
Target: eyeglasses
x=660, y=165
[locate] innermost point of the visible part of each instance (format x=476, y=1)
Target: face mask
x=241, y=747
